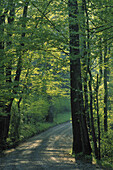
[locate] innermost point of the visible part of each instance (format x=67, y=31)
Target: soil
x=46, y=151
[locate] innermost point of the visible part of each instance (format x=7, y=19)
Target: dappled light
x=48, y=150
x=56, y=65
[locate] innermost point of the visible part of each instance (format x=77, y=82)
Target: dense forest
x=56, y=61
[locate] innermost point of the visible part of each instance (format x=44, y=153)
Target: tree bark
x=85, y=60
x=90, y=84
x=19, y=69
x=75, y=75
x=80, y=131
x=11, y=5
x=92, y=117
x=98, y=118
x=2, y=56
x=105, y=88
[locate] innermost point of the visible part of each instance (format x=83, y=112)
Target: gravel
x=46, y=151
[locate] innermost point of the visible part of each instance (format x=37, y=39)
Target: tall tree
x=75, y=78
x=105, y=88
x=13, y=88
x=2, y=56
x=80, y=131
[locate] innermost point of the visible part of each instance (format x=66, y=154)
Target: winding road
x=46, y=151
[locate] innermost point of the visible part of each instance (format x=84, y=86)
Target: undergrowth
x=30, y=129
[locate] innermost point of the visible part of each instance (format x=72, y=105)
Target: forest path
x=46, y=151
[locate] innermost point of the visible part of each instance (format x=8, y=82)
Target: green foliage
x=35, y=109
x=107, y=146
x=35, y=63
x=14, y=129
x=61, y=105
x=28, y=130
x=62, y=117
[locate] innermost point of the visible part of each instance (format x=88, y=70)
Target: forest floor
x=46, y=151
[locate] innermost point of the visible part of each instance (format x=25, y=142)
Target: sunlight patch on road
x=25, y=147
x=24, y=162
x=30, y=145
x=26, y=152
x=9, y=151
x=54, y=159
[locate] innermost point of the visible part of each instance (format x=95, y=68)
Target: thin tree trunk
x=2, y=56
x=5, y=120
x=98, y=118
x=92, y=118
x=84, y=129
x=100, y=61
x=85, y=61
x=105, y=89
x=90, y=85
x=19, y=66
x=10, y=22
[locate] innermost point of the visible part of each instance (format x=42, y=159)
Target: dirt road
x=46, y=151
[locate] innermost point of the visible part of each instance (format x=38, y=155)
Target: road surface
x=46, y=151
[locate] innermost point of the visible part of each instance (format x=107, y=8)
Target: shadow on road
x=48, y=150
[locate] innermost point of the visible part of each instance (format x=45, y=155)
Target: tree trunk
x=2, y=56
x=98, y=118
x=105, y=89
x=19, y=68
x=49, y=117
x=80, y=131
x=90, y=83
x=75, y=75
x=84, y=129
x=92, y=117
x=4, y=127
x=85, y=60
x=9, y=58
x=11, y=5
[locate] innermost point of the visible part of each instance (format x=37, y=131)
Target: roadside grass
x=29, y=130
x=106, y=164
x=61, y=118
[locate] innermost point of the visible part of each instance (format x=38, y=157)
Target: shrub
x=61, y=105
x=36, y=110
x=107, y=146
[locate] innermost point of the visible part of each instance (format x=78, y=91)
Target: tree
x=11, y=87
x=80, y=131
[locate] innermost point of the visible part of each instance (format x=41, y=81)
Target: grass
x=105, y=164
x=29, y=130
x=61, y=118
